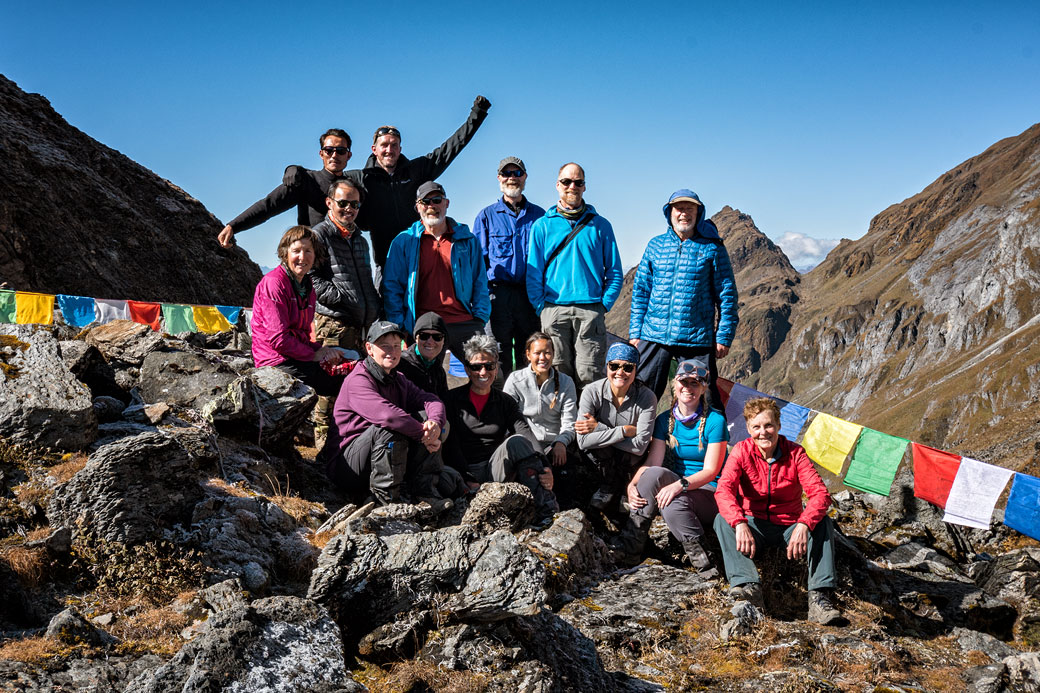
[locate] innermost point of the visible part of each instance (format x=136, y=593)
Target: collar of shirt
x=343, y=230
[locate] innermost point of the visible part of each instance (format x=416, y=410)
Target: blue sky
x=810, y=117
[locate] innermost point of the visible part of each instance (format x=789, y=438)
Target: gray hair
x=480, y=344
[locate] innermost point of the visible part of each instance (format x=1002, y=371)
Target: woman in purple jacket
x=283, y=309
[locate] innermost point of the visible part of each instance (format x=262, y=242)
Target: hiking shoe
x=321, y=434
x=601, y=499
x=821, y=608
x=699, y=559
x=439, y=505
x=748, y=592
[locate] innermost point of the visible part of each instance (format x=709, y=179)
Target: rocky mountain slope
x=928, y=325
x=77, y=217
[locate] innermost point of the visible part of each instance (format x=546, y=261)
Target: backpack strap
x=570, y=237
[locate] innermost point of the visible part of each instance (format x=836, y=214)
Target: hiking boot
x=748, y=592
x=321, y=434
x=699, y=559
x=602, y=499
x=821, y=608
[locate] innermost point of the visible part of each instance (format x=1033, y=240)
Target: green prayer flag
x=875, y=461
x=7, y=306
x=178, y=318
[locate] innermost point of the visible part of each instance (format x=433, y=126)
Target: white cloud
x=805, y=252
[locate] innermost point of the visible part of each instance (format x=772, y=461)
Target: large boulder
x=130, y=490
x=41, y=401
x=1015, y=577
x=184, y=378
x=572, y=554
x=279, y=644
x=123, y=342
x=386, y=590
x=268, y=404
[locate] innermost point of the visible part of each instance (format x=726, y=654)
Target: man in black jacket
x=391, y=179
x=300, y=188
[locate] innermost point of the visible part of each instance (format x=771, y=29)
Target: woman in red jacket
x=760, y=502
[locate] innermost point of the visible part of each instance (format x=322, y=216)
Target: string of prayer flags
x=875, y=461
x=974, y=493
x=145, y=313
x=231, y=313
x=7, y=306
x=829, y=441
x=934, y=472
x=738, y=397
x=209, y=320
x=108, y=310
x=792, y=419
x=32, y=308
x=1022, y=513
x=179, y=318
x=77, y=311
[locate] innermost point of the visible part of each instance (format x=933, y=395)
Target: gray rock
x=41, y=401
x=57, y=543
x=109, y=674
x=268, y=403
x=225, y=595
x=123, y=343
x=745, y=616
x=71, y=628
x=1015, y=577
x=571, y=552
x=368, y=581
x=130, y=490
x=183, y=378
x=280, y=644
x=108, y=409
x=89, y=366
x=501, y=506
x=971, y=640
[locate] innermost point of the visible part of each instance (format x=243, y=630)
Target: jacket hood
x=705, y=227
x=430, y=321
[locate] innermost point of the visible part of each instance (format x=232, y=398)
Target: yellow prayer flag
x=209, y=320
x=33, y=309
x=829, y=440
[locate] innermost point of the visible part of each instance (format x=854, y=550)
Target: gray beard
x=510, y=191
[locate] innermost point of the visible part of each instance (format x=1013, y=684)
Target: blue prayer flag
x=738, y=397
x=792, y=419
x=77, y=311
x=1022, y=513
x=231, y=313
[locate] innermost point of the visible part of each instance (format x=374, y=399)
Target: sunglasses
x=576, y=182
x=435, y=336
x=335, y=150
x=431, y=201
x=343, y=204
x=388, y=130
x=626, y=367
x=514, y=173
x=477, y=367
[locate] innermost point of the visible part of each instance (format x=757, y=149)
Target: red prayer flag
x=934, y=472
x=145, y=313
x=724, y=386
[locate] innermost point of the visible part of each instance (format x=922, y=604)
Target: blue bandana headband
x=623, y=351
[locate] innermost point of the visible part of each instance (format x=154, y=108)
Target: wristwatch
x=684, y=483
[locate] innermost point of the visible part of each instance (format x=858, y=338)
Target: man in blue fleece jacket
x=573, y=277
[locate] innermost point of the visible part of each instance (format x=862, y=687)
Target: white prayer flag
x=108, y=310
x=974, y=493
x=249, y=320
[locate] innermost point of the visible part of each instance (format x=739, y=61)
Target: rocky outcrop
x=266, y=404
x=132, y=235
x=41, y=402
x=284, y=644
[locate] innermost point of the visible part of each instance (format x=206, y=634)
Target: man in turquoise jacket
x=683, y=286
x=573, y=277
x=437, y=265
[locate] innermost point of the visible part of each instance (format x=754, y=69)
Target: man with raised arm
x=390, y=179
x=300, y=188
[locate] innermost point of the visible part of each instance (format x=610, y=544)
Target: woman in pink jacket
x=283, y=309
x=760, y=503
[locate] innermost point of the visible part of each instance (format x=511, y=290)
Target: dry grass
x=419, y=675
x=319, y=539
x=27, y=564
x=35, y=650
x=155, y=631
x=32, y=493
x=68, y=467
x=304, y=512
x=238, y=490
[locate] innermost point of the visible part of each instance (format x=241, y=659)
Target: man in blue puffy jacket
x=683, y=286
x=573, y=278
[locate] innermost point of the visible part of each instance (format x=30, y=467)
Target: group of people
x=521, y=299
